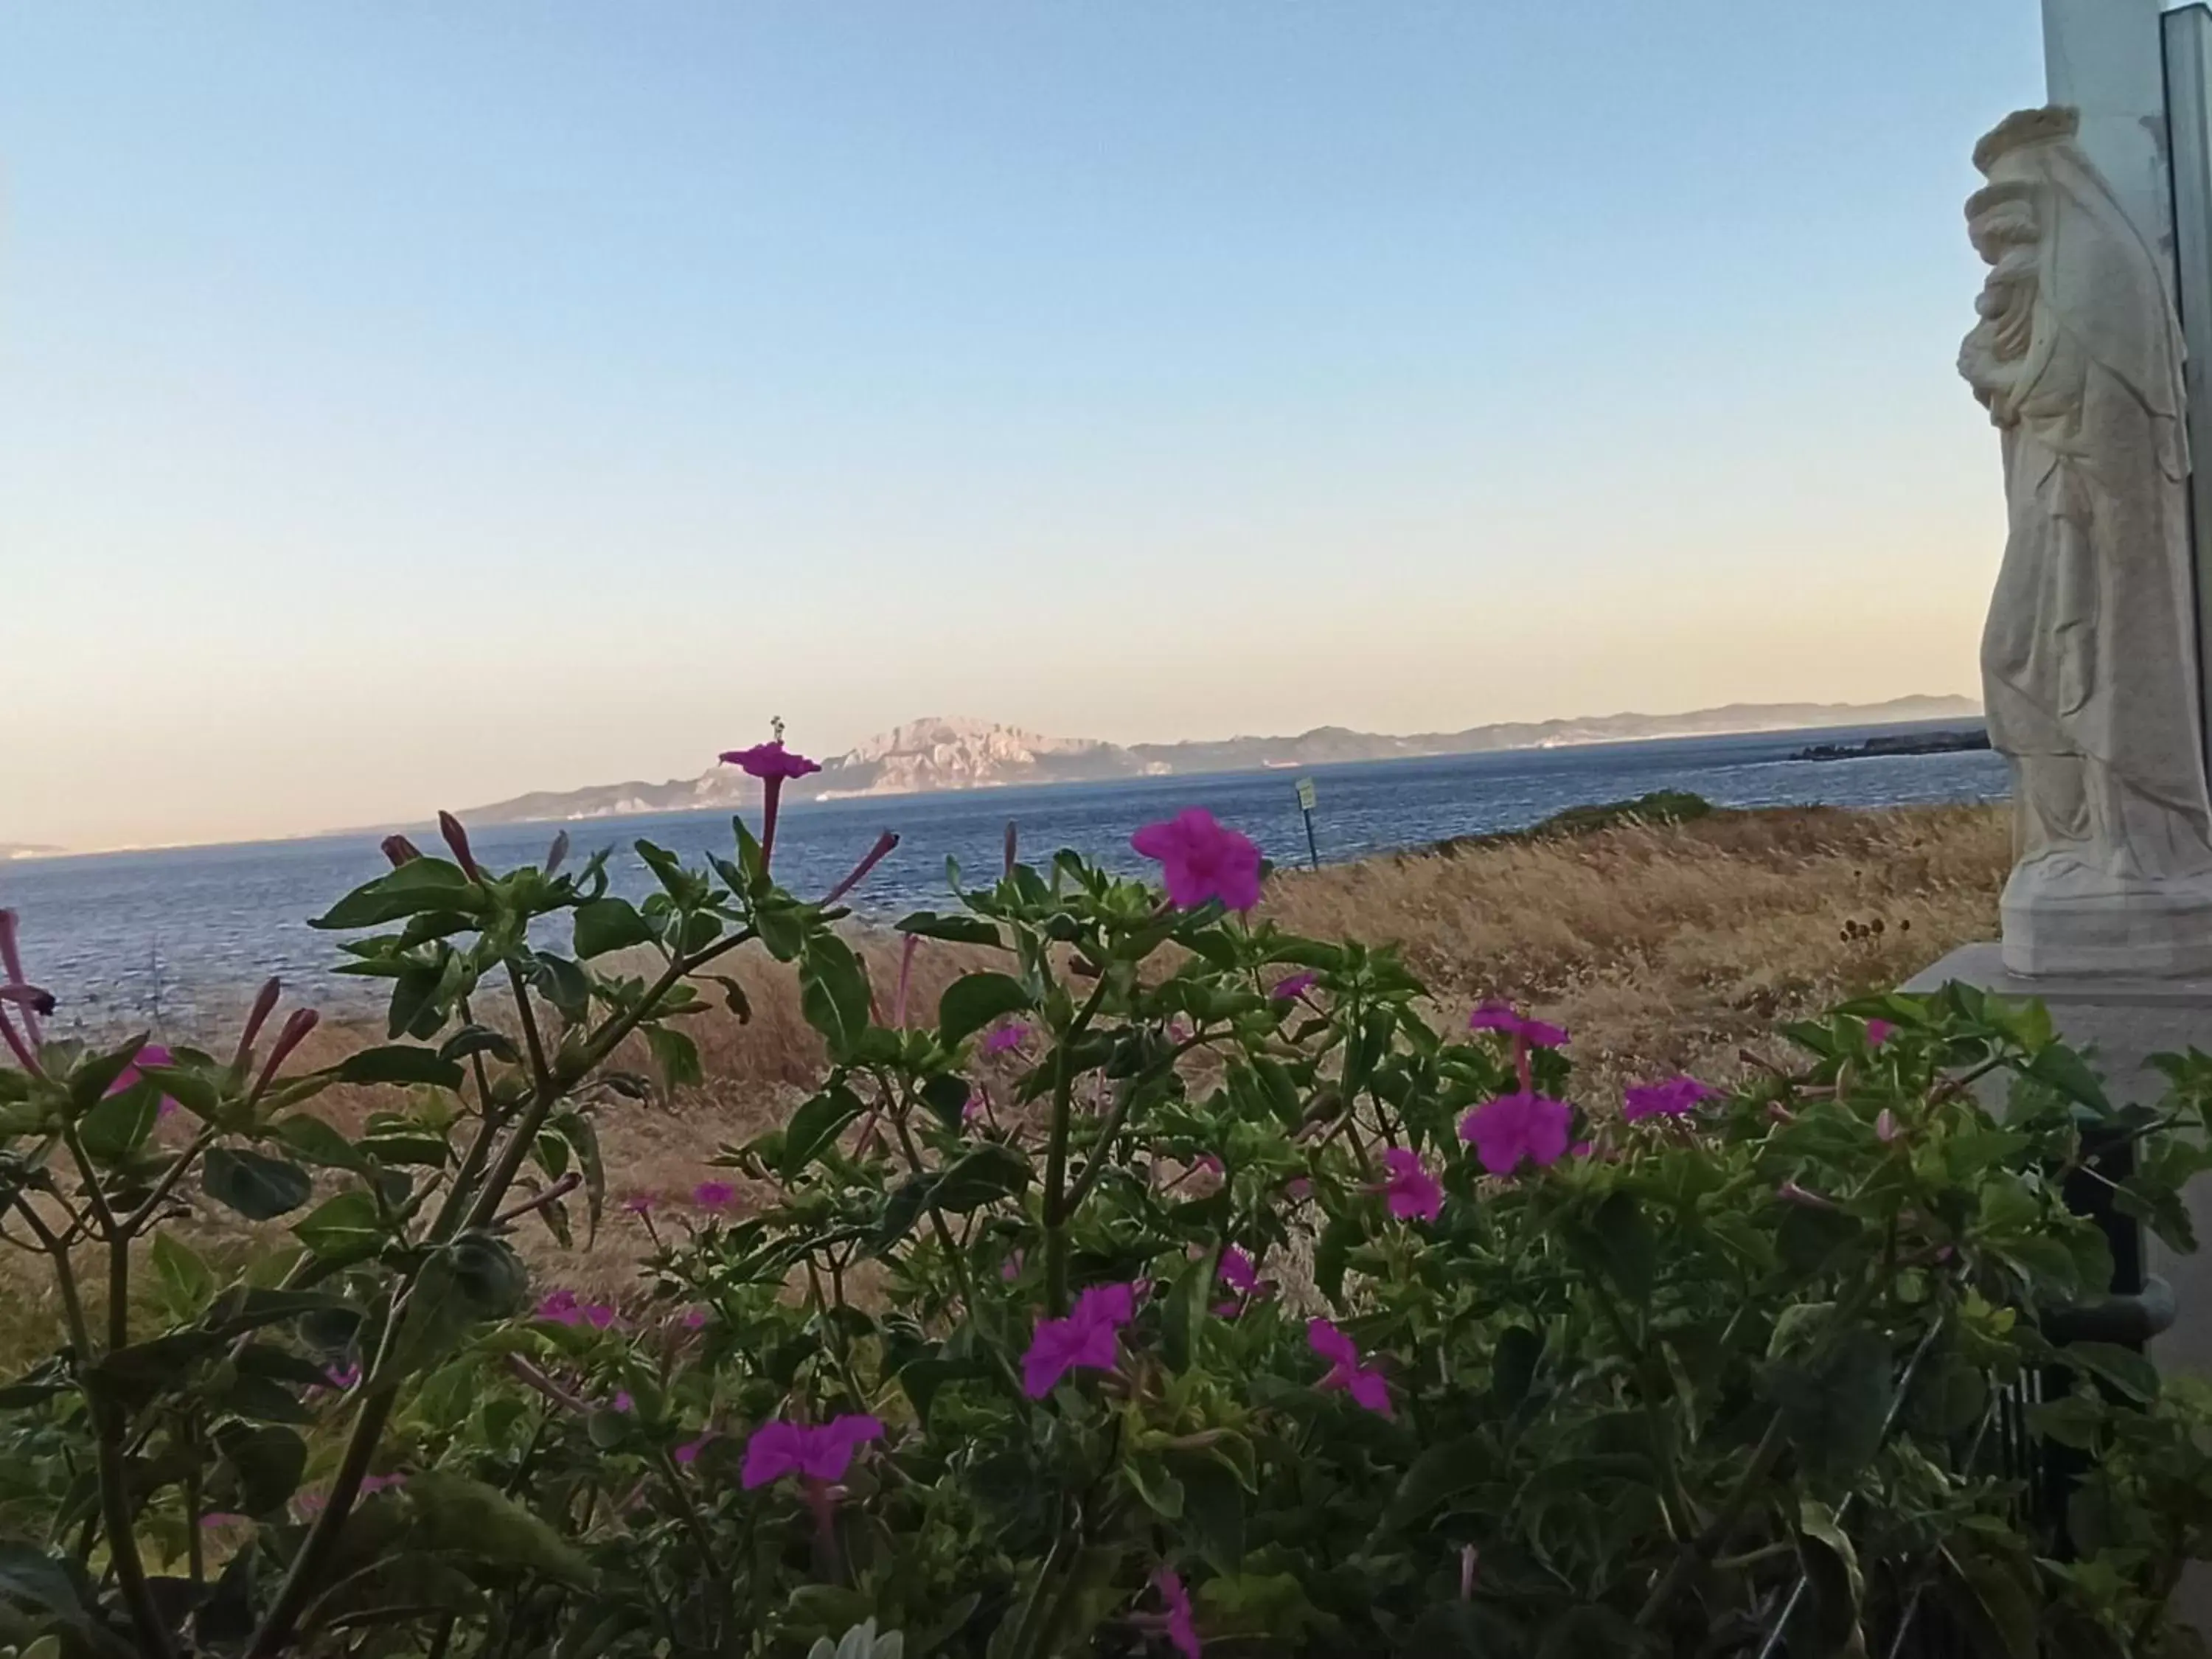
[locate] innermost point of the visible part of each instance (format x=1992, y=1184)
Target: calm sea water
x=160, y=937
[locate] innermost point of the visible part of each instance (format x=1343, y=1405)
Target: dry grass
x=1659, y=947
x=1674, y=946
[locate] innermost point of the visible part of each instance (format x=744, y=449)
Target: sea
x=164, y=939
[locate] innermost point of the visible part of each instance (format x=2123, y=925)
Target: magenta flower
x=1582, y=1148
x=822, y=1451
x=687, y=1453
x=641, y=1205
x=152, y=1054
x=600, y=1315
x=694, y=1318
x=1238, y=1271
x=1200, y=859
x=1364, y=1383
x=1181, y=1627
x=1006, y=1038
x=560, y=1307
x=1515, y=1127
x=1412, y=1190
x=1086, y=1339
x=1676, y=1098
x=342, y=1377
x=975, y=1108
x=770, y=762
x=1501, y=1017
x=377, y=1483
x=1878, y=1031
x=1299, y=1190
x=1290, y=989
x=713, y=1194
x=223, y=1518
x=1011, y=1268
x=623, y=1403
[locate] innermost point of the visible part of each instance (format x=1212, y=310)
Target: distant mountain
x=925, y=756
x=23, y=850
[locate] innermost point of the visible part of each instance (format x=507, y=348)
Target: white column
x=2103, y=58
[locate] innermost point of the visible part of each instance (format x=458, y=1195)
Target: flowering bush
x=1173, y=1286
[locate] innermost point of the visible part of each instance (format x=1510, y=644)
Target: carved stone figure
x=2088, y=660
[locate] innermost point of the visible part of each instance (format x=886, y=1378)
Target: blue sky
x=408, y=403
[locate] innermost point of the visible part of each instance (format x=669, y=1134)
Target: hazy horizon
x=1140, y=374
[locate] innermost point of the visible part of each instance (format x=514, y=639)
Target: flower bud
x=876, y=855
x=398, y=850
x=458, y=839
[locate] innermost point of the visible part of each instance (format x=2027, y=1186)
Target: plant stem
x=1056, y=1207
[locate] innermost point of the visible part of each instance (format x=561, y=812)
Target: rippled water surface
x=157, y=936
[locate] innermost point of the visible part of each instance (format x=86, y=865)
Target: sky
x=406, y=404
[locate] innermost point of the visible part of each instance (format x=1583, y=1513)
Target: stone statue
x=2089, y=658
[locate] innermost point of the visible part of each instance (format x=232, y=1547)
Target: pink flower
x=1209, y=1164
x=771, y=762
x=600, y=1315
x=1582, y=1148
x=713, y=1194
x=1006, y=1038
x=1238, y=1271
x=560, y=1307
x=377, y=1483
x=223, y=1518
x=153, y=1053
x=1515, y=1127
x=1181, y=1627
x=640, y=1206
x=623, y=1403
x=342, y=1377
x=694, y=1318
x=1363, y=1381
x=1201, y=859
x=687, y=1453
x=1412, y=1191
x=1791, y=1192
x=1878, y=1031
x=1299, y=1190
x=1467, y=1559
x=767, y=760
x=1085, y=1340
x=1675, y=1098
x=975, y=1108
x=1501, y=1017
x=1886, y=1126
x=1011, y=1268
x=821, y=1452
x=1289, y=990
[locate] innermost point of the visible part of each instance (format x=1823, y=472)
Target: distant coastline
x=938, y=755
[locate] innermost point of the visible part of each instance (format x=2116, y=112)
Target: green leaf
x=118, y=1125
x=815, y=1126
x=268, y=1460
x=420, y=884
x=346, y=1228
x=1513, y=1365
x=480, y=1039
x=1438, y=1475
x=947, y=1095
x=2061, y=1068
x=1833, y=1408
x=186, y=1283
x=1158, y=1491
x=2000, y=1597
x=1830, y=1623
x=974, y=1000
x=468, y=1518
x=1624, y=1246
x=676, y=1056
x=608, y=924
x=833, y=992
x=564, y=984
x=954, y=929
x=314, y=1141
x=258, y=1187
x=2129, y=1372
x=475, y=1279
x=399, y=1062
x=33, y=1577
x=991, y=1171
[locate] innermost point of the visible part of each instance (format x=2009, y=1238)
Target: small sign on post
x=1306, y=806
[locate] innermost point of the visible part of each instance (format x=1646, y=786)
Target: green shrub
x=1174, y=1283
